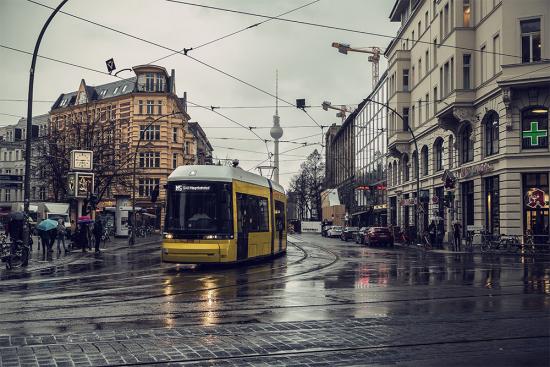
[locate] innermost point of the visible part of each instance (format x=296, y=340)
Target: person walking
x=431, y=231
x=457, y=231
x=98, y=231
x=82, y=236
x=60, y=235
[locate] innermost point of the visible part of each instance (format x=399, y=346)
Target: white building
x=472, y=80
x=12, y=162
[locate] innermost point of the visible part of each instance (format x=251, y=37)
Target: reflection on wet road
x=319, y=281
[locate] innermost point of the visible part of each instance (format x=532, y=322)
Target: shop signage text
x=471, y=171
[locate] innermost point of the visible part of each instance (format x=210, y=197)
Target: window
x=496, y=54
x=451, y=151
x=406, y=119
x=187, y=148
x=446, y=20
x=412, y=77
x=150, y=107
x=425, y=168
x=466, y=146
x=467, y=192
x=124, y=88
x=174, y=134
x=419, y=29
x=405, y=167
x=427, y=104
x=435, y=100
x=159, y=107
x=534, y=131
x=483, y=63
x=452, y=74
x=253, y=213
x=42, y=193
x=415, y=166
x=152, y=133
x=427, y=62
x=491, y=133
x=279, y=216
x=441, y=35
x=149, y=82
x=160, y=82
x=420, y=111
x=146, y=185
x=466, y=66
x=434, y=8
x=435, y=53
x=467, y=11
x=7, y=194
x=438, y=155
x=419, y=69
x=116, y=90
x=412, y=116
x=446, y=81
x=536, y=210
x=140, y=110
x=492, y=210
x=149, y=160
x=530, y=40
x=405, y=80
x=174, y=160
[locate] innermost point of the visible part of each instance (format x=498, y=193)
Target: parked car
x=348, y=233
x=324, y=230
x=334, y=231
x=379, y=236
x=360, y=235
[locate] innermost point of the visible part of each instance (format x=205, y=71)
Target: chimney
x=185, y=101
x=173, y=81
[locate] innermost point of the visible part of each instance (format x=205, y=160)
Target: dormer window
x=149, y=82
x=116, y=90
x=103, y=92
x=124, y=88
x=160, y=82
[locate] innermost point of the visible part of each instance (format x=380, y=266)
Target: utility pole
x=276, y=131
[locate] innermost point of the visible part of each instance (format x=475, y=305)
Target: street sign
x=110, y=65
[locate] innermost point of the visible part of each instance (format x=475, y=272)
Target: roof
x=97, y=93
x=220, y=173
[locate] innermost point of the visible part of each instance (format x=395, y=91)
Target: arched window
x=438, y=155
x=490, y=123
x=451, y=151
x=415, y=166
x=425, y=169
x=466, y=145
x=390, y=175
x=405, y=167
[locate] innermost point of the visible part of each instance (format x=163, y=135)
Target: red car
x=379, y=236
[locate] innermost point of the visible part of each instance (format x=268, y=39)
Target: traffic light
x=155, y=194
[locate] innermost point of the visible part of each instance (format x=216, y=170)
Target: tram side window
x=280, y=215
x=253, y=213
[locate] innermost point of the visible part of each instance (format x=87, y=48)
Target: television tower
x=276, y=131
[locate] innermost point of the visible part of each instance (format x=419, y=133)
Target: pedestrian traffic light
x=155, y=194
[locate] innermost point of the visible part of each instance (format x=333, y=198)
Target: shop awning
x=57, y=208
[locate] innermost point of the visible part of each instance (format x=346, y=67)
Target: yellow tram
x=220, y=214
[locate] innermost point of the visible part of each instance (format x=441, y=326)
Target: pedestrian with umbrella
x=83, y=232
x=47, y=231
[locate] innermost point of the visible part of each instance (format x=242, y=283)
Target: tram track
x=196, y=290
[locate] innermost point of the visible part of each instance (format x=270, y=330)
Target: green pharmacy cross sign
x=534, y=133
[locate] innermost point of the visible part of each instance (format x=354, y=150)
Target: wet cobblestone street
x=325, y=303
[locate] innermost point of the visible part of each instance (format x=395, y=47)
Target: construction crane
x=342, y=110
x=374, y=58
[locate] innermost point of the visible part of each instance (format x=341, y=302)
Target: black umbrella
x=17, y=216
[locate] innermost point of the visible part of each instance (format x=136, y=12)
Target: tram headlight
x=211, y=237
x=168, y=236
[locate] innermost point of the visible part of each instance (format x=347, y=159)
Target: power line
x=24, y=100
x=333, y=27
x=185, y=50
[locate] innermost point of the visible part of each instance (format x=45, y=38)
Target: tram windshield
x=198, y=209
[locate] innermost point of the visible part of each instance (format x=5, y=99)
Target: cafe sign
x=476, y=170
x=408, y=202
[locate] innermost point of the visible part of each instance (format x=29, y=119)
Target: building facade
x=12, y=163
x=112, y=119
x=203, y=147
x=370, y=159
x=472, y=81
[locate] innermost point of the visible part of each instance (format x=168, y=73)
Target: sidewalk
x=37, y=262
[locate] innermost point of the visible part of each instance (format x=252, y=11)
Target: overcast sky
x=308, y=66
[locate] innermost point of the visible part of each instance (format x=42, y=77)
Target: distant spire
x=276, y=92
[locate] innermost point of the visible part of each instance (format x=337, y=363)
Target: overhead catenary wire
x=318, y=25
x=185, y=50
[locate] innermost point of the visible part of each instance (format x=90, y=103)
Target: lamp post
x=28, y=151
x=417, y=168
x=132, y=239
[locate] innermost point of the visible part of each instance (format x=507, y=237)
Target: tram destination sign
x=192, y=188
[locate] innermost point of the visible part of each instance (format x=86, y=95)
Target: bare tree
x=307, y=187
x=95, y=129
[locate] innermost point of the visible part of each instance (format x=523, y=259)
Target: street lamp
x=417, y=168
x=27, y=180
x=132, y=239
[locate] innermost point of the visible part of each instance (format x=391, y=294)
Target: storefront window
x=535, y=201
x=492, y=210
x=534, y=132
x=440, y=207
x=393, y=211
x=467, y=192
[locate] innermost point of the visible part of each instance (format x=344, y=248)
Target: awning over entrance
x=57, y=208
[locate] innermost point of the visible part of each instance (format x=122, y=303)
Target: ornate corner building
x=472, y=81
x=112, y=119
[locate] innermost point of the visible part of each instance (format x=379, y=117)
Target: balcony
x=398, y=142
x=528, y=73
